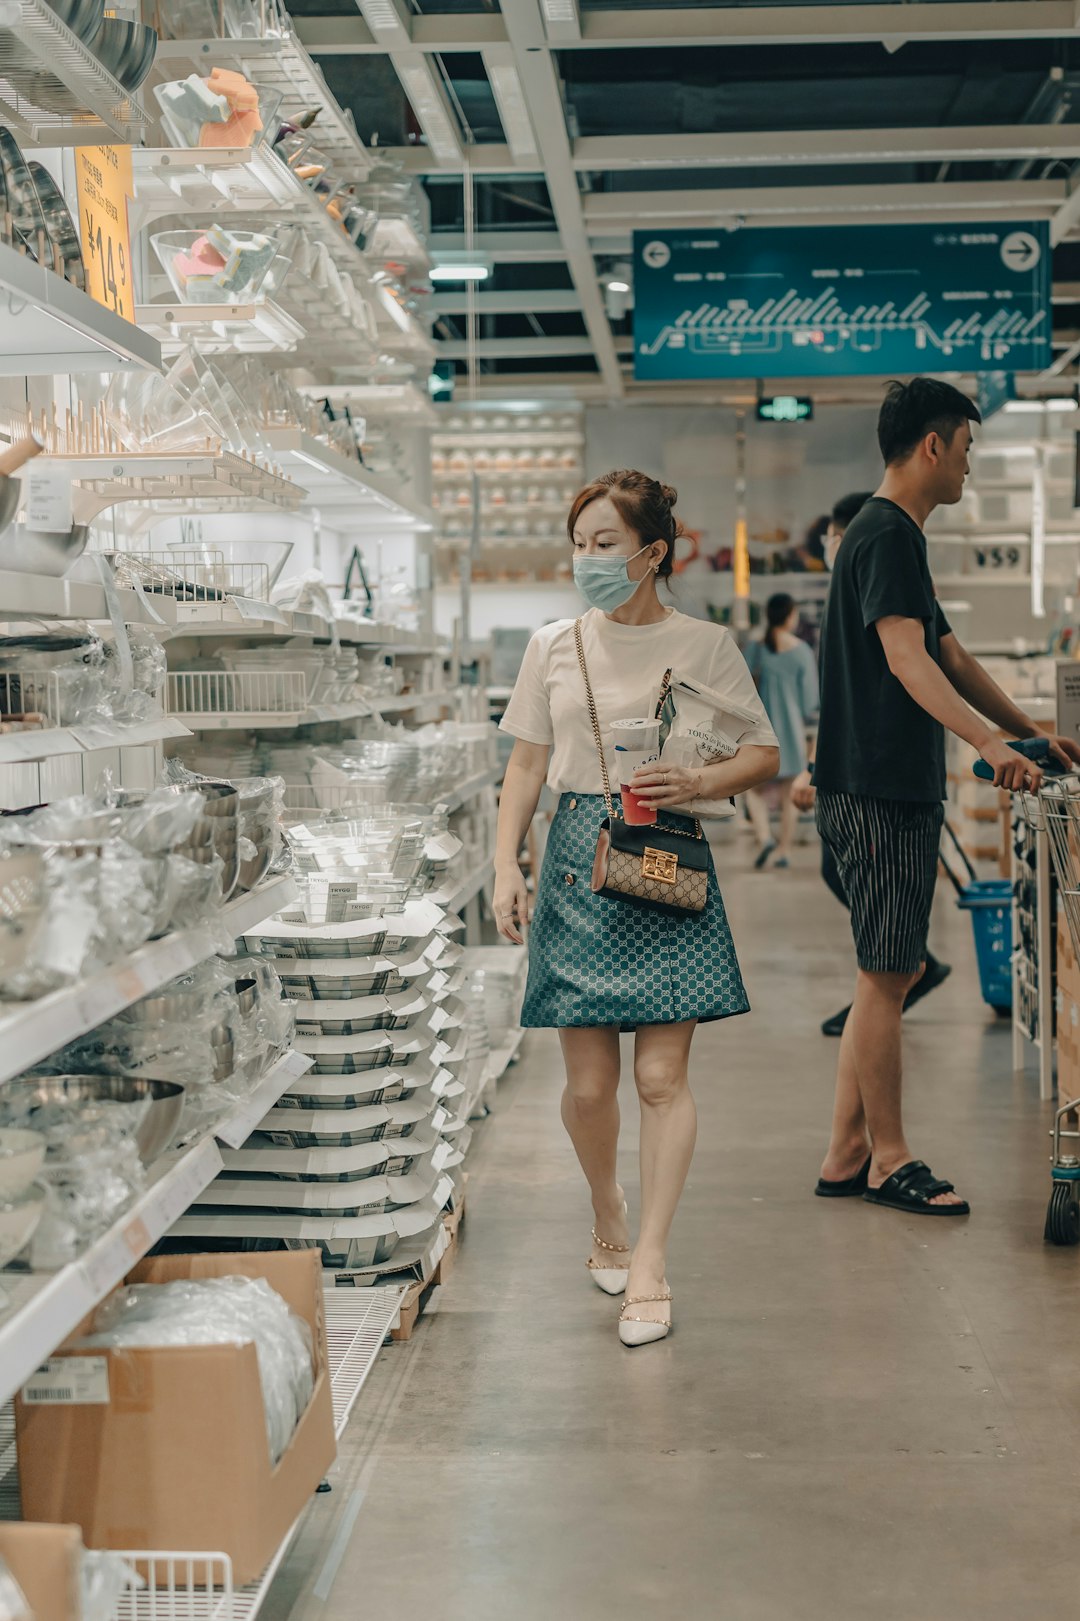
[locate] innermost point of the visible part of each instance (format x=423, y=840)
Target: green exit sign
x=785, y=408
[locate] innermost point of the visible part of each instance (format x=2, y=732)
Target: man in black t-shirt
x=893, y=677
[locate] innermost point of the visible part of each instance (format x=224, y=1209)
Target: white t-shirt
x=626, y=663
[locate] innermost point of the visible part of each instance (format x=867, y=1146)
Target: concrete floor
x=860, y=1412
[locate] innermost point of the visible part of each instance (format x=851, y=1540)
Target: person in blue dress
x=786, y=674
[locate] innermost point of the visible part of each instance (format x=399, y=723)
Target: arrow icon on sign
x=1020, y=251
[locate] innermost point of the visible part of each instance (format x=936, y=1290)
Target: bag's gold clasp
x=660, y=865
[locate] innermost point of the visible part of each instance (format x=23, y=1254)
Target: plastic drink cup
x=637, y=744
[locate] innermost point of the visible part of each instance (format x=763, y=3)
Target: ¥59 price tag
x=105, y=187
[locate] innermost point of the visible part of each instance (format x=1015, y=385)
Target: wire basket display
x=197, y=575
x=247, y=693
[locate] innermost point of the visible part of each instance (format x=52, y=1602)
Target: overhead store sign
x=996, y=389
x=842, y=300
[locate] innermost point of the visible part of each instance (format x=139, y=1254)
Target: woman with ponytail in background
x=786, y=674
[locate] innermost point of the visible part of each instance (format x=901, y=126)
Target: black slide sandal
x=911, y=1188
x=850, y=1189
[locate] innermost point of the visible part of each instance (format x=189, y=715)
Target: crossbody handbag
x=648, y=866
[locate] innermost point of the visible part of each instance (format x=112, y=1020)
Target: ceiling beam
x=988, y=198
x=513, y=348
x=737, y=25
x=543, y=98
x=502, y=247
x=887, y=24
x=351, y=36
x=537, y=301
x=746, y=150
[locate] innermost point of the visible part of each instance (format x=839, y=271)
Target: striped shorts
x=886, y=852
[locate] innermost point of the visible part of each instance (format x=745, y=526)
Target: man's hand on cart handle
x=1064, y=749
x=1012, y=770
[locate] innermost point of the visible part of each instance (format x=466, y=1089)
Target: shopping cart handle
x=1036, y=749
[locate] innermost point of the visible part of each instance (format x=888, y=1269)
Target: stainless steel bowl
x=125, y=49
x=40, y=551
x=158, y=1124
x=10, y=492
x=247, y=993
x=83, y=17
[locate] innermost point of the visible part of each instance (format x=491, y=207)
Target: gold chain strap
x=608, y=801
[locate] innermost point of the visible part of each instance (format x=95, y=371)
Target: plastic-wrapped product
x=103, y=1578
x=221, y=1311
x=13, y=1604
x=92, y=1169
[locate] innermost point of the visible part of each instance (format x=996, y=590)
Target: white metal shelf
x=398, y=241
x=333, y=480
x=48, y=326
x=260, y=327
x=65, y=599
x=46, y=1307
x=228, y=481
x=209, y=180
x=379, y=401
x=25, y=748
x=54, y=91
x=29, y=1031
x=270, y=720
x=954, y=582
x=415, y=703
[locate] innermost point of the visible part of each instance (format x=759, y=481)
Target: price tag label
x=104, y=178
x=47, y=491
x=70, y=1381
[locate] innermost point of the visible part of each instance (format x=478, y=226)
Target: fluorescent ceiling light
x=1019, y=407
x=386, y=21
x=474, y=271
x=618, y=286
x=425, y=97
x=513, y=113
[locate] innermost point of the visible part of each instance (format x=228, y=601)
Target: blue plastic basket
x=989, y=900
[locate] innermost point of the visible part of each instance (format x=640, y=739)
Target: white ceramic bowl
x=18, y=1222
x=22, y=1154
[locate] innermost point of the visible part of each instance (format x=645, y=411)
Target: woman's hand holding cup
x=663, y=787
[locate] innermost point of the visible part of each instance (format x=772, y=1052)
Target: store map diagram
x=842, y=300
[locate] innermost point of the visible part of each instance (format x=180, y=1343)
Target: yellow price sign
x=105, y=187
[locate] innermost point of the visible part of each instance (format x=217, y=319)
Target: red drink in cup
x=637, y=744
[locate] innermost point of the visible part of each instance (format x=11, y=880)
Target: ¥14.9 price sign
x=105, y=188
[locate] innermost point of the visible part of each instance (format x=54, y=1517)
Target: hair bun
x=670, y=495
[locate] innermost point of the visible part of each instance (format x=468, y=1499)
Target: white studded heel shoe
x=612, y=1279
x=642, y=1330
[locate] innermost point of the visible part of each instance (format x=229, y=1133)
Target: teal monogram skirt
x=596, y=961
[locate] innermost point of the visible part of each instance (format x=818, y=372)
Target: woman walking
x=599, y=965
x=786, y=674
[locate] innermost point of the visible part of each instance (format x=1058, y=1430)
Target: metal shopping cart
x=1055, y=810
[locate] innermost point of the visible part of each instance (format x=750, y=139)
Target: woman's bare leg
x=789, y=817
x=758, y=812
x=590, y=1113
x=668, y=1135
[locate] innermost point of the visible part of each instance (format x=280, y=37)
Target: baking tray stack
x=359, y=1156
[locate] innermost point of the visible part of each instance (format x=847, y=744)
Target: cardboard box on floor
x=45, y=1560
x=176, y=1457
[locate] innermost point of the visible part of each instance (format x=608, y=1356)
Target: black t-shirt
x=873, y=738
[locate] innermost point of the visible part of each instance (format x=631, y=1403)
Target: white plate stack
x=359, y=1155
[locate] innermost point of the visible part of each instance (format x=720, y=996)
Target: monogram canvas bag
x=648, y=866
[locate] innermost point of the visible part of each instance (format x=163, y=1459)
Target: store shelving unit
x=48, y=326
x=177, y=478
x=336, y=481
x=23, y=748
x=54, y=91
x=260, y=327
x=29, y=1031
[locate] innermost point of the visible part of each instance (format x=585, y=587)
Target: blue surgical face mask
x=605, y=582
